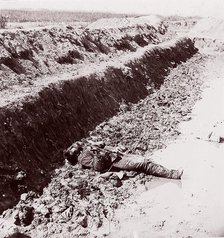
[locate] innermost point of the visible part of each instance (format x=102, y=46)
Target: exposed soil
x=192, y=207
x=78, y=202
x=137, y=97
x=32, y=68
x=208, y=35
x=32, y=124
x=28, y=54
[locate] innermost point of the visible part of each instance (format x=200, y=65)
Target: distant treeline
x=56, y=16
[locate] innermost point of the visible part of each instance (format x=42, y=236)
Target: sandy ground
x=192, y=207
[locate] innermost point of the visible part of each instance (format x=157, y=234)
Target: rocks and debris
x=152, y=122
x=208, y=35
x=83, y=108
x=78, y=201
x=24, y=217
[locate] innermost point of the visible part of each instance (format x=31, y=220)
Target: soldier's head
x=73, y=152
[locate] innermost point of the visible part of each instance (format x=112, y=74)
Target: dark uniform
x=102, y=159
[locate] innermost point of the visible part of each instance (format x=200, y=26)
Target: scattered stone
x=66, y=215
x=23, y=196
x=120, y=174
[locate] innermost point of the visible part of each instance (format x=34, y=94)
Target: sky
x=163, y=7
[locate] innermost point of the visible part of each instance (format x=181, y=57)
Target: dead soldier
x=103, y=158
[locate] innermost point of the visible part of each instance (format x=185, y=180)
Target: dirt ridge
x=28, y=54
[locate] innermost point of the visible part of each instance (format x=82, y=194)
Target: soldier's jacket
x=99, y=159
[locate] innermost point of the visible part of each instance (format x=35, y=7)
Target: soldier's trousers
x=140, y=164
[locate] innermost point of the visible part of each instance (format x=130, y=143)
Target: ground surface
x=193, y=206
x=80, y=203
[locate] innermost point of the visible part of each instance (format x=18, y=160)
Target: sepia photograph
x=111, y=118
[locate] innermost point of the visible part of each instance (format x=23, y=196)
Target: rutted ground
x=28, y=54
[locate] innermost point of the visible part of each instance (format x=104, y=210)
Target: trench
x=35, y=131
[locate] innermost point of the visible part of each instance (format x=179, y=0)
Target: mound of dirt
x=28, y=54
x=209, y=45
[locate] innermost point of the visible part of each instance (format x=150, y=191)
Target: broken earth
x=78, y=202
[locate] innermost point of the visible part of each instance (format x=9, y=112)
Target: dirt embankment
x=33, y=133
x=28, y=54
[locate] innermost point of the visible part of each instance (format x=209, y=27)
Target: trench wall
x=46, y=51
x=34, y=135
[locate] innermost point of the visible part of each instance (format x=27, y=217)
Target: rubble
x=20, y=176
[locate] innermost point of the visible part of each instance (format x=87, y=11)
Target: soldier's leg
x=130, y=162
x=140, y=164
x=160, y=171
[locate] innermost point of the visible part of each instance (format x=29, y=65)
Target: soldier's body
x=102, y=158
